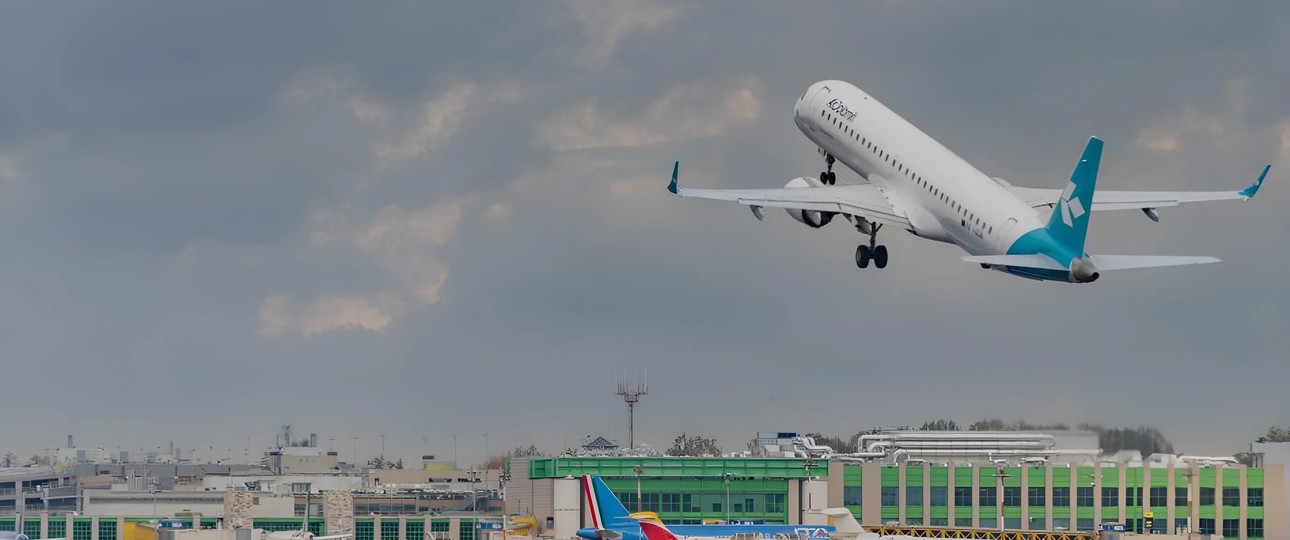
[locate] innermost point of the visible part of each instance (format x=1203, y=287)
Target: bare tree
x=694, y=445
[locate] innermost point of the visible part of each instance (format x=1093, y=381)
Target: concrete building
x=37, y=489
x=1268, y=455
x=302, y=460
x=99, y=502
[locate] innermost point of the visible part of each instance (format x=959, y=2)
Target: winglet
x=672, y=186
x=1248, y=193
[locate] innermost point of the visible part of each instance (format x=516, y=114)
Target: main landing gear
x=828, y=177
x=870, y=252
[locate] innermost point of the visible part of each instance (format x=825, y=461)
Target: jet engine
x=1083, y=271
x=811, y=218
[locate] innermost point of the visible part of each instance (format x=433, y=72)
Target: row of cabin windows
x=900, y=167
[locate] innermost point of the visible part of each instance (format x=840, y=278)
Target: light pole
x=728, y=476
x=153, y=487
x=638, y=469
x=999, y=474
x=502, y=479
x=355, y=441
x=809, y=465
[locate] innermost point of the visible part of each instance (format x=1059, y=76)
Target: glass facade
x=390, y=529
x=82, y=528
x=414, y=530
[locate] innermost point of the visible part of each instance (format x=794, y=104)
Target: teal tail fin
x=676, y=167
x=1068, y=225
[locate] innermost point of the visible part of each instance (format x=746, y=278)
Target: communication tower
x=631, y=394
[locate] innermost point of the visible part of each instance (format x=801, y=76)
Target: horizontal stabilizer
x=609, y=534
x=1025, y=261
x=844, y=521
x=1126, y=262
x=1100, y=262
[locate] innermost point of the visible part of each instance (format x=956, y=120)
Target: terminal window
x=963, y=497
x=1206, y=526
x=1180, y=497
x=1036, y=496
x=1084, y=497
x=1254, y=528
x=1159, y=497
x=913, y=495
x=890, y=496
x=1231, y=496
x=940, y=495
x=851, y=495
x=1207, y=497
x=1012, y=496
x=987, y=497
x=1061, y=496
x=1231, y=528
x=1254, y=497
x=1133, y=497
x=1110, y=497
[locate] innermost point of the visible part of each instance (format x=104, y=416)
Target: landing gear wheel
x=862, y=256
x=827, y=177
x=880, y=256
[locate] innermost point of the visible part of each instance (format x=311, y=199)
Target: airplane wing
x=1147, y=201
x=865, y=200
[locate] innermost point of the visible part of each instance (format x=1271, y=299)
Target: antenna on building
x=632, y=394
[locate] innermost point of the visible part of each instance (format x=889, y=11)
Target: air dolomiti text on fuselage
x=919, y=185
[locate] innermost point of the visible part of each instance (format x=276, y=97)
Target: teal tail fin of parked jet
x=906, y=179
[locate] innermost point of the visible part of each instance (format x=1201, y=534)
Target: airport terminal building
x=1214, y=499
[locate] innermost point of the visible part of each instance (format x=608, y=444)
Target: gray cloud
x=444, y=221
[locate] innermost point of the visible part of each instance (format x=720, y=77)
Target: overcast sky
x=428, y=219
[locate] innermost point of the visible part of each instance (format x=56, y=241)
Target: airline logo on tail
x=1071, y=209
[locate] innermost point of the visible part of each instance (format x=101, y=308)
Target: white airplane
x=919, y=185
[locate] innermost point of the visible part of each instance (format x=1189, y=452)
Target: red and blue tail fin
x=605, y=509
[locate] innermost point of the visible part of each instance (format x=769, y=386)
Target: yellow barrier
x=979, y=534
x=138, y=531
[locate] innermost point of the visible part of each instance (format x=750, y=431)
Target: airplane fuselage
x=733, y=531
x=945, y=198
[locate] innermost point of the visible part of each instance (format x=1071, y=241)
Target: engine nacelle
x=811, y=218
x=1083, y=271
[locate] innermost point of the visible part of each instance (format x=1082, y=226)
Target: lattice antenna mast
x=631, y=389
